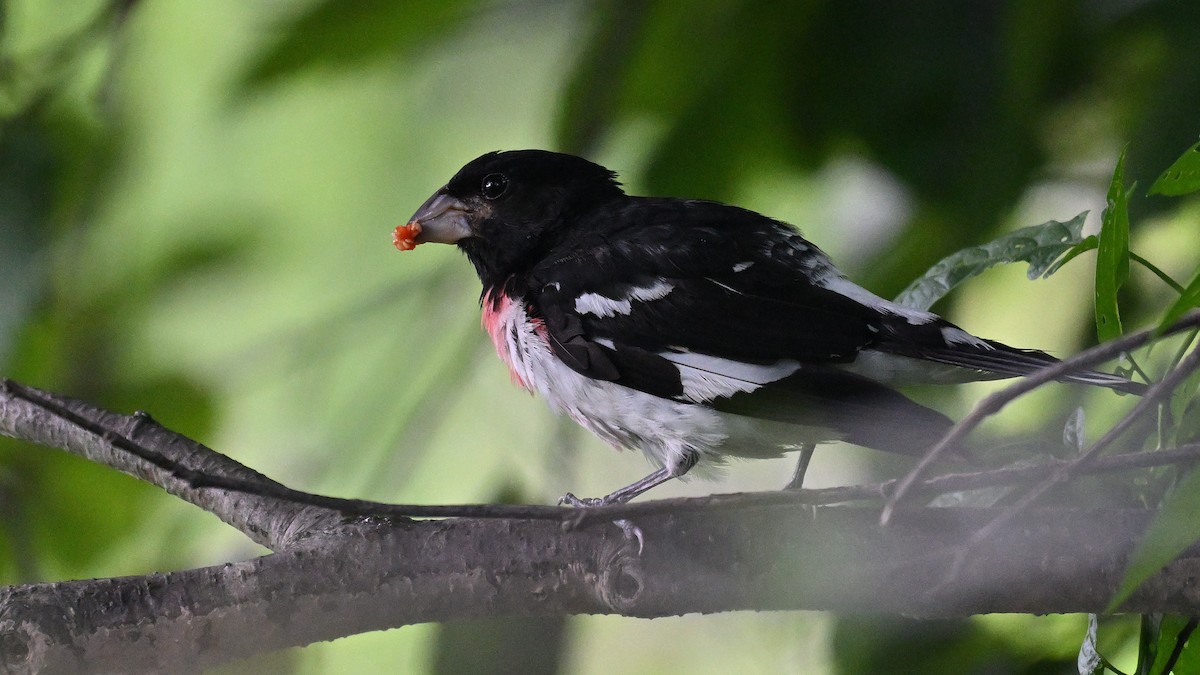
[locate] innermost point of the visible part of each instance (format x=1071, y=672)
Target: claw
x=632, y=533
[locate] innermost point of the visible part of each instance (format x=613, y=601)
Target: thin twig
x=946, y=483
x=993, y=403
x=1148, y=403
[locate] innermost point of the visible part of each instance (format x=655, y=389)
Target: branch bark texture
x=337, y=572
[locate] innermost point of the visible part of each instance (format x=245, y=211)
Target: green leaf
x=1174, y=529
x=1172, y=631
x=1148, y=638
x=1182, y=177
x=1189, y=660
x=334, y=35
x=1189, y=299
x=1038, y=245
x=1112, y=258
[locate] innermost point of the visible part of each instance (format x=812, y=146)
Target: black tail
x=1001, y=359
x=942, y=342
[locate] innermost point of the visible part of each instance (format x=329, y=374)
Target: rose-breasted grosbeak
x=692, y=330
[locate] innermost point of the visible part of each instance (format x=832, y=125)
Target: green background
x=196, y=204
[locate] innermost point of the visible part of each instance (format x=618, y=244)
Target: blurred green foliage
x=196, y=200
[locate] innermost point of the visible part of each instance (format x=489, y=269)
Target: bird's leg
x=806, y=453
x=680, y=467
x=633, y=532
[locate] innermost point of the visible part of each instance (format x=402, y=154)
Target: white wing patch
x=705, y=377
x=742, y=266
x=602, y=306
x=594, y=303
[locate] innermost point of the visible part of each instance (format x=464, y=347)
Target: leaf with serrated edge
x=1038, y=245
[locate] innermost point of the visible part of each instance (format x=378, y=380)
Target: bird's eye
x=494, y=186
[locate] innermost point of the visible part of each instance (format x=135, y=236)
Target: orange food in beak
x=404, y=238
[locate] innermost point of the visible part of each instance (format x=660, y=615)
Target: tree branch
x=378, y=574
x=341, y=569
x=139, y=446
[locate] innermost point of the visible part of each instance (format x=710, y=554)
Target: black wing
x=736, y=284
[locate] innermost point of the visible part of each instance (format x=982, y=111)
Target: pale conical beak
x=442, y=219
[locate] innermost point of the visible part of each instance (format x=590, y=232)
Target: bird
x=693, y=330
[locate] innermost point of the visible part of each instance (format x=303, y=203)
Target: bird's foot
x=633, y=533
x=584, y=502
